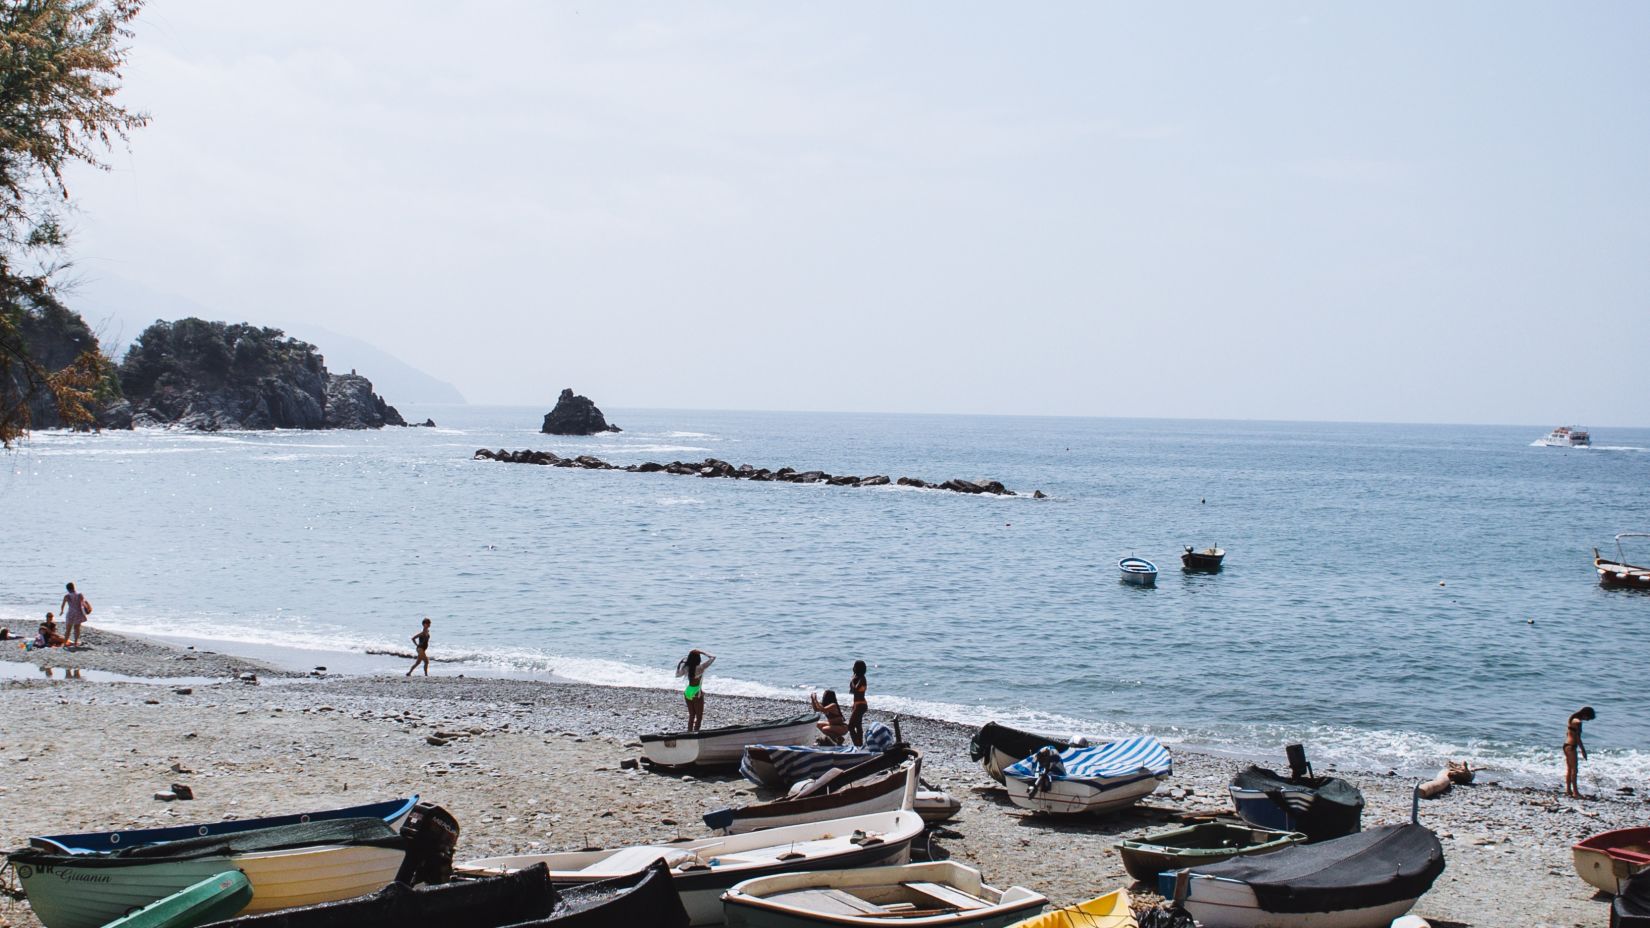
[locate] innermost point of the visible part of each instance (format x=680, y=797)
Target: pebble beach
x=533, y=765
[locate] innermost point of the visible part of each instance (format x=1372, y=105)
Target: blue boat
x=1138, y=571
x=94, y=842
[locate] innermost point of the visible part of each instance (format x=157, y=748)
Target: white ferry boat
x=1567, y=436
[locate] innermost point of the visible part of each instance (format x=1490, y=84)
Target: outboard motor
x=431, y=834
x=1298, y=767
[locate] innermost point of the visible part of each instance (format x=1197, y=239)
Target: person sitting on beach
x=832, y=727
x=693, y=667
x=48, y=636
x=1572, y=746
x=422, y=640
x=74, y=608
x=856, y=716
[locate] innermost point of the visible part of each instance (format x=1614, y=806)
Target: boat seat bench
x=945, y=895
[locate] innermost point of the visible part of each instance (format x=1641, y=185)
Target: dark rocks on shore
x=575, y=415
x=712, y=467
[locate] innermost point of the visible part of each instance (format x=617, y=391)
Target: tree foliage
x=60, y=71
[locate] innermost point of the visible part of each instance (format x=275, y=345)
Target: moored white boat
x=392, y=811
x=779, y=766
x=939, y=893
x=1101, y=778
x=998, y=747
x=723, y=747
x=703, y=869
x=882, y=784
x=1137, y=571
x=1609, y=858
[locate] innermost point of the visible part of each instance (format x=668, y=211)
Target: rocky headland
x=575, y=415
x=210, y=376
x=711, y=467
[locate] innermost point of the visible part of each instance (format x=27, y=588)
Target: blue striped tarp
x=1130, y=757
x=792, y=763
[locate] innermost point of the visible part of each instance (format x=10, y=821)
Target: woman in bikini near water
x=856, y=716
x=693, y=667
x=833, y=727
x=1573, y=745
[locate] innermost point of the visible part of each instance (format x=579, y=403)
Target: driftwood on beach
x=711, y=467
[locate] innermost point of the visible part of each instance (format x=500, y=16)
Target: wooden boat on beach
x=1363, y=880
x=288, y=866
x=886, y=783
x=702, y=869
x=213, y=898
x=1137, y=571
x=1206, y=561
x=940, y=893
x=1318, y=807
x=998, y=747
x=520, y=899
x=1097, y=779
x=723, y=747
x=1113, y=910
x=392, y=812
x=1618, y=573
x=1606, y=859
x=778, y=766
x=1207, y=843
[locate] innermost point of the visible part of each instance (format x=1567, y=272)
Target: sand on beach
x=534, y=765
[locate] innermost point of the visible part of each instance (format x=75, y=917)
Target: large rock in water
x=212, y=375
x=575, y=415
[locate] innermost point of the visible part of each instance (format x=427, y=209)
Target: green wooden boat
x=210, y=900
x=1198, y=844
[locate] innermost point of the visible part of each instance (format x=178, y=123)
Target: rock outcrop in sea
x=575, y=415
x=209, y=376
x=711, y=467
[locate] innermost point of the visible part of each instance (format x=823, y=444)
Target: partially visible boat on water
x=1206, y=561
x=1566, y=436
x=1102, y=778
x=1113, y=910
x=393, y=812
x=1619, y=573
x=997, y=747
x=1609, y=858
x=1137, y=571
x=1206, y=843
x=938, y=893
x=1363, y=880
x=723, y=747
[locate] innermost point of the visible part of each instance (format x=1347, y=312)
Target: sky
x=1410, y=212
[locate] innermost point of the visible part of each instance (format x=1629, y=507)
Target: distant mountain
x=119, y=310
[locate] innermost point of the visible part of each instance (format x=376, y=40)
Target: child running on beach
x=856, y=717
x=422, y=640
x=833, y=727
x=1572, y=746
x=74, y=608
x=693, y=667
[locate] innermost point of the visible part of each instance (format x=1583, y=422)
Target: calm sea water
x=1377, y=602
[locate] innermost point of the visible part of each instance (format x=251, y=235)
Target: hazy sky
x=1410, y=212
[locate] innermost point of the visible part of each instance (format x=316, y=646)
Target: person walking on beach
x=74, y=608
x=833, y=727
x=693, y=667
x=1573, y=746
x=422, y=640
x=856, y=717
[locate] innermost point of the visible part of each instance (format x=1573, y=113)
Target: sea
x=1394, y=595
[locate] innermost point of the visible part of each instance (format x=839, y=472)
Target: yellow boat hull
x=1109, y=911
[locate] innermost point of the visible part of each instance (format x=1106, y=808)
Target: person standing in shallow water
x=1573, y=746
x=74, y=608
x=422, y=640
x=856, y=717
x=693, y=667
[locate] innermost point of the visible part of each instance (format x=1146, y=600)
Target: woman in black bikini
x=856, y=717
x=833, y=727
x=1572, y=745
x=422, y=640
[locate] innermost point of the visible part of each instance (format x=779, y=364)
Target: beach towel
x=1130, y=758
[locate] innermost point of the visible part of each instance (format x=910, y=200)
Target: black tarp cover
x=1011, y=741
x=1323, y=807
x=1370, y=868
x=1631, y=909
x=522, y=896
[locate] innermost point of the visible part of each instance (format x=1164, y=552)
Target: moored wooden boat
x=1096, y=779
x=1208, y=560
x=213, y=898
x=704, y=868
x=519, y=899
x=1362, y=880
x=1618, y=573
x=940, y=893
x=886, y=783
x=1137, y=571
x=1318, y=807
x=779, y=766
x=997, y=747
x=1113, y=910
x=1606, y=859
x=288, y=866
x=393, y=812
x=1206, y=843
x=723, y=747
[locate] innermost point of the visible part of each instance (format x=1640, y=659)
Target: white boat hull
x=723, y=750
x=1076, y=797
x=1221, y=903
x=784, y=901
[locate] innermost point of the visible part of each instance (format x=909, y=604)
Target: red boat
x=1619, y=573
x=1607, y=859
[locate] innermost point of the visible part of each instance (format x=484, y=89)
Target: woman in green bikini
x=693, y=667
